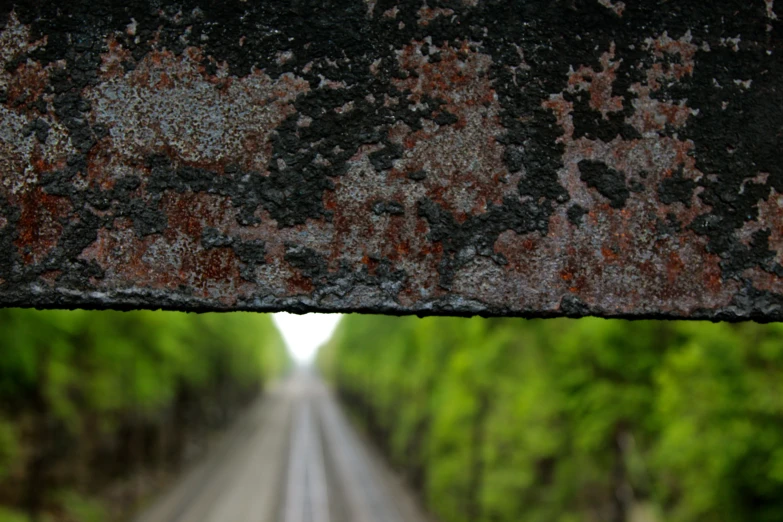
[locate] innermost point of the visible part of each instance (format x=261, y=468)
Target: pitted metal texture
x=494, y=157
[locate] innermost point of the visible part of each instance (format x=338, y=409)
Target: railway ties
x=307, y=498
x=293, y=458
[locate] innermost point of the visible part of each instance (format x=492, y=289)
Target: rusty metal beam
x=536, y=157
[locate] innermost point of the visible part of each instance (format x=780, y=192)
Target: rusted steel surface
x=547, y=157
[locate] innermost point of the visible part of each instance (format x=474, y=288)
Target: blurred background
x=488, y=420
x=572, y=420
x=99, y=409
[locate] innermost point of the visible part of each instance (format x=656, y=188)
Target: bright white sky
x=305, y=333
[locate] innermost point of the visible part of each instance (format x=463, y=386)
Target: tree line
x=502, y=420
x=98, y=408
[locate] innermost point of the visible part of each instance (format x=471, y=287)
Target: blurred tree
x=87, y=398
x=559, y=420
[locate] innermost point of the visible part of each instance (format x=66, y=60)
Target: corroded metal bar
x=536, y=157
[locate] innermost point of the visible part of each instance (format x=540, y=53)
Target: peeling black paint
x=335, y=47
x=608, y=182
x=418, y=175
x=575, y=214
x=388, y=207
x=476, y=236
x=676, y=189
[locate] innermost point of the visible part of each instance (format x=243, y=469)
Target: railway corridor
x=293, y=458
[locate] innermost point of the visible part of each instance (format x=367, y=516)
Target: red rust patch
x=39, y=228
x=111, y=61
x=299, y=284
x=463, y=160
x=599, y=84
x=50, y=277
x=175, y=258
x=27, y=83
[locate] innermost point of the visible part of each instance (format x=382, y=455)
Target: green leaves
x=503, y=420
x=80, y=388
x=9, y=447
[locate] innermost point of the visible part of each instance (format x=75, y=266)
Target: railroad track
x=293, y=458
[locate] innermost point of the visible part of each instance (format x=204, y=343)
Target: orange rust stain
x=371, y=264
x=156, y=57
x=111, y=61
x=609, y=254
x=99, y=173
x=301, y=284
x=713, y=282
x=40, y=165
x=434, y=248
x=219, y=264
x=165, y=82
x=403, y=248
x=50, y=276
x=397, y=174
x=186, y=214
x=39, y=228
x=442, y=77
x=182, y=217
x=27, y=83
x=140, y=78
x=674, y=267
x=763, y=280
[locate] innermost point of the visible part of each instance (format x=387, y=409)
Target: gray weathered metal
x=547, y=157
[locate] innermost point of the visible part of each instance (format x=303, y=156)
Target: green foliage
x=86, y=397
x=9, y=446
x=560, y=420
x=81, y=508
x=10, y=515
